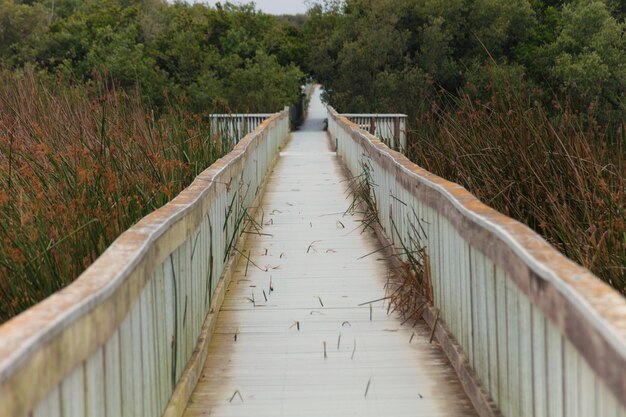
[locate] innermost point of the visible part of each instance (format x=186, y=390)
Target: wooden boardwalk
x=267, y=355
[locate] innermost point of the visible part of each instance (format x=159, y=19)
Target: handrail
x=351, y=115
x=136, y=313
x=390, y=128
x=231, y=127
x=540, y=334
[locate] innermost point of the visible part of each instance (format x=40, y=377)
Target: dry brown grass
x=562, y=173
x=78, y=166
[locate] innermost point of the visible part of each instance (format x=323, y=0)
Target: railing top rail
x=374, y=115
x=587, y=311
x=241, y=115
x=100, y=298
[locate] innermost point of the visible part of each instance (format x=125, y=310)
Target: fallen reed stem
x=236, y=393
x=432, y=331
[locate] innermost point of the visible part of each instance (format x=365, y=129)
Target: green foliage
x=20, y=26
x=360, y=48
x=589, y=53
x=190, y=55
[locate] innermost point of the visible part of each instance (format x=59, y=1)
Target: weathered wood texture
x=301, y=290
x=390, y=128
x=232, y=127
x=116, y=341
x=543, y=335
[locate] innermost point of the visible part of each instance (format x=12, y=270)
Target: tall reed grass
x=560, y=172
x=78, y=166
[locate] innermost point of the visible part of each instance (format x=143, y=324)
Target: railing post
x=396, y=132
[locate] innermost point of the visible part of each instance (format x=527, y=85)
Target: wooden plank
x=525, y=355
x=73, y=394
x=50, y=406
x=570, y=381
x=136, y=367
x=170, y=325
x=465, y=272
x=513, y=337
x=455, y=301
x=554, y=348
x=588, y=388
x=129, y=398
x=160, y=342
x=113, y=375
x=464, y=277
x=95, y=385
x=502, y=339
x=492, y=329
x=540, y=364
x=149, y=378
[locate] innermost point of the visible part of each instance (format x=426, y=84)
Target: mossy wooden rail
x=117, y=341
x=529, y=332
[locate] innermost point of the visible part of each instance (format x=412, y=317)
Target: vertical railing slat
x=49, y=406
x=492, y=328
x=73, y=394
x=95, y=384
x=555, y=371
x=113, y=376
x=502, y=339
x=525, y=355
x=137, y=358
x=540, y=364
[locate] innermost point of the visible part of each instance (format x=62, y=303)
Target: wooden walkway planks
x=272, y=350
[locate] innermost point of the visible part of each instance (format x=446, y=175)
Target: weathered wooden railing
x=529, y=332
x=390, y=128
x=125, y=338
x=232, y=127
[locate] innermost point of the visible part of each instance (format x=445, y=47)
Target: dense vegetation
x=103, y=103
x=102, y=119
x=194, y=55
x=78, y=166
x=522, y=102
x=397, y=55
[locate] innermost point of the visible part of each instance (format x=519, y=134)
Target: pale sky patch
x=268, y=6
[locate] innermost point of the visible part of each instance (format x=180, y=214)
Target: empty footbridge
x=271, y=286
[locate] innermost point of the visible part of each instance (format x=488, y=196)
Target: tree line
x=371, y=55
x=232, y=57
x=398, y=55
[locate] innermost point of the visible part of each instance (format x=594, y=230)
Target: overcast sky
x=268, y=6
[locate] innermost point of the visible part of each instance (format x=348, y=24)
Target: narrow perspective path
x=295, y=340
